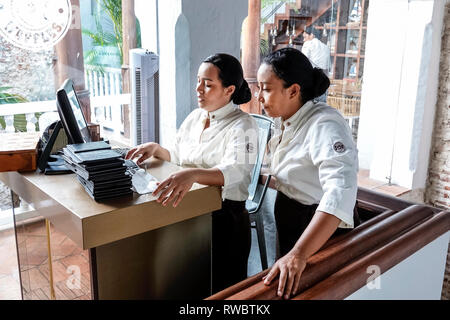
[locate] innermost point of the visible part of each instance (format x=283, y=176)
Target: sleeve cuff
x=173, y=156
x=346, y=219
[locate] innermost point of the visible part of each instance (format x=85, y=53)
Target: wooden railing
x=397, y=230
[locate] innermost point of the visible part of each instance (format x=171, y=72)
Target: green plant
x=20, y=122
x=6, y=97
x=263, y=47
x=101, y=38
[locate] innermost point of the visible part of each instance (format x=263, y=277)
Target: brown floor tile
x=393, y=190
x=35, y=228
x=62, y=292
x=85, y=253
x=85, y=297
x=36, y=250
x=56, y=238
x=77, y=260
x=64, y=249
x=9, y=288
x=8, y=264
x=86, y=282
x=369, y=183
x=37, y=279
x=40, y=294
x=59, y=271
x=7, y=243
x=6, y=234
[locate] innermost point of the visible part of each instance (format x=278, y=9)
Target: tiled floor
x=9, y=271
x=69, y=263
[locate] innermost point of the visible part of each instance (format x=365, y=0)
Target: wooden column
x=69, y=61
x=129, y=42
x=250, y=53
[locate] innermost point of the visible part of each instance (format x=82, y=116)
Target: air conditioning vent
x=144, y=76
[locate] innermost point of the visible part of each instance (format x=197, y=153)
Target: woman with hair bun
x=314, y=160
x=217, y=144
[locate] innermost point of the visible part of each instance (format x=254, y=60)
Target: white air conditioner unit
x=144, y=74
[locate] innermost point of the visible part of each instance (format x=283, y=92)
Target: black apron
x=292, y=218
x=231, y=241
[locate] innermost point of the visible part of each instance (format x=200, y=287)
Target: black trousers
x=292, y=218
x=231, y=241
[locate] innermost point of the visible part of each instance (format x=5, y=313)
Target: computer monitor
x=71, y=114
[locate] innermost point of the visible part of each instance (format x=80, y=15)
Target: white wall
x=168, y=12
x=189, y=31
x=418, y=277
x=145, y=11
x=399, y=89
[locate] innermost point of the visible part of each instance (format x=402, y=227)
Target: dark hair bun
x=243, y=95
x=292, y=66
x=321, y=82
x=231, y=73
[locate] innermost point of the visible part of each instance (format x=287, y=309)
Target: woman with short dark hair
x=217, y=143
x=313, y=158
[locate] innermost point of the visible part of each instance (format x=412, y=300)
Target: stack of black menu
x=99, y=169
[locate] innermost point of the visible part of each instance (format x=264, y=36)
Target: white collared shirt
x=315, y=160
x=230, y=143
x=317, y=52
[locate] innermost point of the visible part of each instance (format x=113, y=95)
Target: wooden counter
x=138, y=248
x=63, y=200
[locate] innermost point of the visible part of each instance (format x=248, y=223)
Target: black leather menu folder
x=88, y=146
x=88, y=157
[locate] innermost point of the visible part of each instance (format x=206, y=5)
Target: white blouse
x=315, y=160
x=230, y=143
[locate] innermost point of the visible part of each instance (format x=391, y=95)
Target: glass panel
x=69, y=268
x=338, y=24
x=9, y=267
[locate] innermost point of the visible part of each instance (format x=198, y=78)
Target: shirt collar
x=220, y=113
x=295, y=119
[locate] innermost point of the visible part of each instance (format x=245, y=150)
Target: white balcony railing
x=106, y=101
x=105, y=83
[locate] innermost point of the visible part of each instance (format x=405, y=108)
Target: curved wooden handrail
x=334, y=257
x=359, y=228
x=353, y=276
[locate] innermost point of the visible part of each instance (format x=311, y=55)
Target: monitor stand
x=52, y=164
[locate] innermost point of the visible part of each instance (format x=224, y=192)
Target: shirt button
x=288, y=124
x=213, y=117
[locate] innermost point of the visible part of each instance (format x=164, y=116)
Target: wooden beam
x=69, y=61
x=129, y=42
x=250, y=53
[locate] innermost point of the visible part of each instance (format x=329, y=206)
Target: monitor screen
x=71, y=114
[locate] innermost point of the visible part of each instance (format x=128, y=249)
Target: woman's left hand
x=290, y=268
x=175, y=187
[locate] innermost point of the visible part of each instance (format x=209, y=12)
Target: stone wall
x=30, y=74
x=438, y=186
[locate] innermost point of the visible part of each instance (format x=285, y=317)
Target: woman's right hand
x=142, y=152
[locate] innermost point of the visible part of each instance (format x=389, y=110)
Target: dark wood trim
x=250, y=281
x=370, y=206
x=93, y=272
x=332, y=258
x=358, y=229
x=353, y=276
x=386, y=200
